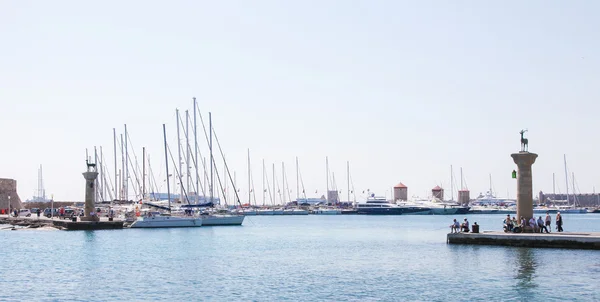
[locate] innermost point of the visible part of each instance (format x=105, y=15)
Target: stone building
x=8, y=191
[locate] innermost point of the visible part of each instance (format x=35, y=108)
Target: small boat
x=295, y=211
x=327, y=211
x=572, y=210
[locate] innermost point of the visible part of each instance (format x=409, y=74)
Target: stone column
x=524, y=161
x=90, y=196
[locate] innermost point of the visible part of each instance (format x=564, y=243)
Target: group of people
x=539, y=226
x=457, y=227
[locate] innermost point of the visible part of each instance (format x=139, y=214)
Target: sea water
x=294, y=258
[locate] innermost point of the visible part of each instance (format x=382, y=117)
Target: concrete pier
x=524, y=161
x=90, y=220
x=88, y=225
x=581, y=240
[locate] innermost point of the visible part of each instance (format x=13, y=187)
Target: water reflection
x=526, y=265
x=90, y=236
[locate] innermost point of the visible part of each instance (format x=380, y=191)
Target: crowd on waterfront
x=539, y=225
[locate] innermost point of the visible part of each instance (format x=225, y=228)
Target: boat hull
x=394, y=211
x=214, y=220
x=449, y=211
x=295, y=212
x=264, y=212
x=327, y=212
x=167, y=222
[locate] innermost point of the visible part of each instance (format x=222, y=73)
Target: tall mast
x=348, y=178
x=282, y=183
x=211, y=154
x=196, y=153
x=143, y=171
x=573, y=180
x=274, y=196
x=122, y=190
x=205, y=177
x=167, y=166
x=39, y=186
x=101, y=177
x=126, y=166
x=491, y=193
x=461, y=180
x=187, y=151
x=566, y=178
x=451, y=184
x=178, y=118
x=297, y=181
x=263, y=182
x=225, y=193
x=553, y=185
x=249, y=179
x=115, y=151
x=327, y=178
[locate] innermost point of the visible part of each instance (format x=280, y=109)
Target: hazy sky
x=401, y=89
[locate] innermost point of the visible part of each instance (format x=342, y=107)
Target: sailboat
x=295, y=210
x=211, y=216
x=162, y=220
x=571, y=208
x=249, y=210
x=327, y=209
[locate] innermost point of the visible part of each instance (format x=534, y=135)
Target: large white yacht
x=439, y=207
x=380, y=206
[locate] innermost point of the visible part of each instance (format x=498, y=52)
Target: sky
x=400, y=90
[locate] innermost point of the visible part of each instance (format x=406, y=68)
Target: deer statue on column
x=524, y=142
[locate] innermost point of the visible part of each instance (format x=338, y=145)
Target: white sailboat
x=571, y=208
x=159, y=220
x=219, y=218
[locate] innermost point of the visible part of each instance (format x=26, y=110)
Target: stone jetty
x=579, y=240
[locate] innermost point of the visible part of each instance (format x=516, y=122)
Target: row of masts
x=132, y=181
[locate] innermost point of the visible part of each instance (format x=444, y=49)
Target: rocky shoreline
x=19, y=223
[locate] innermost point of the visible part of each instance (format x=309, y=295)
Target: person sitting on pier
x=454, y=226
x=533, y=224
x=541, y=225
x=464, y=227
x=517, y=226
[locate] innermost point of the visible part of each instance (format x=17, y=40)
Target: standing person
x=548, y=222
x=559, y=222
x=38, y=212
x=541, y=225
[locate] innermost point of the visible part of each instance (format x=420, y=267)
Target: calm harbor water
x=301, y=258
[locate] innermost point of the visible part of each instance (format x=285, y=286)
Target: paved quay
x=569, y=240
